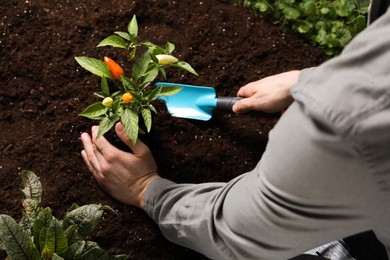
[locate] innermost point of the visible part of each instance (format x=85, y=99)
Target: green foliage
x=329, y=24
x=145, y=69
x=39, y=235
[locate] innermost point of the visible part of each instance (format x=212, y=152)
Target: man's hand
x=122, y=175
x=271, y=94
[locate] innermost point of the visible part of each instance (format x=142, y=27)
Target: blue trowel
x=195, y=102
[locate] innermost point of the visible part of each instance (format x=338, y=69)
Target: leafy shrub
x=329, y=24
x=39, y=235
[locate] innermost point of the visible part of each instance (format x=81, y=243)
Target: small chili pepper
x=127, y=97
x=165, y=59
x=107, y=102
x=115, y=69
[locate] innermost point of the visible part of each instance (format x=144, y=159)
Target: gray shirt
x=325, y=173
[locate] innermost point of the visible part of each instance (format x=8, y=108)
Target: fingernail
x=120, y=127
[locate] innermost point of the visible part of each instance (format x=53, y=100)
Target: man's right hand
x=271, y=94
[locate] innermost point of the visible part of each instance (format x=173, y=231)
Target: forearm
x=301, y=195
x=185, y=213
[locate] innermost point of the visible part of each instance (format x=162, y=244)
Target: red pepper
x=115, y=69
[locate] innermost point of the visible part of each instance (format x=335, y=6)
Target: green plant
x=39, y=235
x=145, y=69
x=329, y=24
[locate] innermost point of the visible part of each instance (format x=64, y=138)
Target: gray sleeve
x=324, y=174
x=294, y=200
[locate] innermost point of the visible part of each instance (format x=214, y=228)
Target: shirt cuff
x=154, y=190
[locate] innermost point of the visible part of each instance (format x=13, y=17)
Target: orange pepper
x=127, y=98
x=115, y=69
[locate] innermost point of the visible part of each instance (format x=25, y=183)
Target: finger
x=243, y=105
x=139, y=148
x=89, y=153
x=247, y=90
x=103, y=146
x=86, y=161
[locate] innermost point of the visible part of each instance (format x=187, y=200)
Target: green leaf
x=129, y=120
x=16, y=241
x=153, y=57
x=31, y=209
x=132, y=53
x=94, y=111
x=321, y=37
x=47, y=254
x=153, y=48
x=85, y=218
x=128, y=83
x=148, y=44
x=291, y=13
x=151, y=75
x=100, y=95
x=75, y=250
x=342, y=11
x=92, y=251
x=41, y=242
x=262, y=7
x=141, y=66
x=152, y=94
x=185, y=66
x=162, y=71
x=94, y=66
x=132, y=27
x=56, y=257
x=116, y=104
x=104, y=86
x=304, y=27
x=169, y=90
x=106, y=207
x=151, y=107
x=42, y=221
x=324, y=10
x=56, y=240
x=308, y=7
x=32, y=186
x=73, y=206
x=114, y=41
x=106, y=124
x=124, y=35
x=147, y=116
x=345, y=38
x=169, y=47
x=360, y=24
x=72, y=235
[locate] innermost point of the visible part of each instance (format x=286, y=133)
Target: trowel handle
x=226, y=103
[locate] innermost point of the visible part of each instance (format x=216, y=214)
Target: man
x=333, y=180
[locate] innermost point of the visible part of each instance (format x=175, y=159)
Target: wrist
x=143, y=185
x=292, y=77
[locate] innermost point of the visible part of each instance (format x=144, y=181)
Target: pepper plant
x=134, y=93
x=39, y=235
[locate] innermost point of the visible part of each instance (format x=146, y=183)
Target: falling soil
x=43, y=89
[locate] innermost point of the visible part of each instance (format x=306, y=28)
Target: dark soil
x=43, y=89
